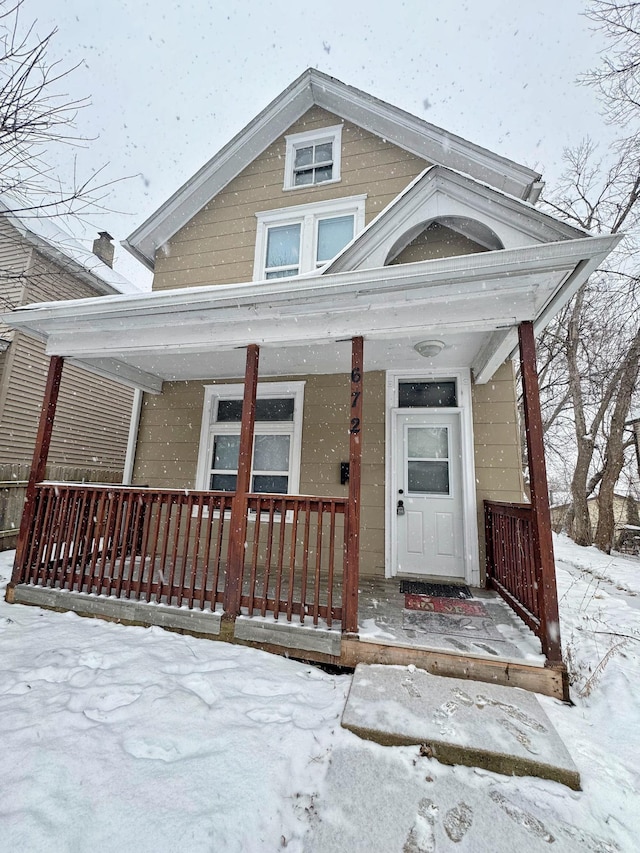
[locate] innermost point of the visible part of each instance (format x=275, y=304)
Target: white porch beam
x=111, y=368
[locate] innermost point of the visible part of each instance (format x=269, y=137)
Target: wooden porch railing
x=511, y=563
x=170, y=546
x=294, y=556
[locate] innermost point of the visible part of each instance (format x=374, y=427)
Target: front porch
x=162, y=557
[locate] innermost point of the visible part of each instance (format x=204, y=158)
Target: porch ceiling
x=473, y=303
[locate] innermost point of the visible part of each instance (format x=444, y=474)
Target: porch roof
x=473, y=303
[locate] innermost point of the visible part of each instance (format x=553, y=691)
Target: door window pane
x=429, y=477
x=225, y=452
x=428, y=443
x=271, y=453
x=333, y=235
x=427, y=394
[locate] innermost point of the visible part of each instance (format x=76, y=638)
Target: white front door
x=429, y=528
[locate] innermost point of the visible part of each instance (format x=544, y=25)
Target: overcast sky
x=171, y=82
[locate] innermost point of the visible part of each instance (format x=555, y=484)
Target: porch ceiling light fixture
x=429, y=349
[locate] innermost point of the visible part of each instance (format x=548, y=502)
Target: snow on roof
x=50, y=238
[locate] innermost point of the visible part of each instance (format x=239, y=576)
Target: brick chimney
x=104, y=248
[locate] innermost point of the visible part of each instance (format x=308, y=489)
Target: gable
x=472, y=209
x=428, y=142
x=217, y=245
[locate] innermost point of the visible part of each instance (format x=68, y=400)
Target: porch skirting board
x=296, y=637
x=120, y=610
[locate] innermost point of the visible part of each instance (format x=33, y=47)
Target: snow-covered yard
x=118, y=738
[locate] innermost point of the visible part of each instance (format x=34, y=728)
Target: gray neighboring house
x=40, y=262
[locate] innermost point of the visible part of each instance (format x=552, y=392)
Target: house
x=328, y=393
x=626, y=515
x=41, y=262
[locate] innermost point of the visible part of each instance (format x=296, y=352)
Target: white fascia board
x=312, y=87
x=422, y=138
x=305, y=291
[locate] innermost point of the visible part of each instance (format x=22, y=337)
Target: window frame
x=235, y=391
x=307, y=216
x=305, y=139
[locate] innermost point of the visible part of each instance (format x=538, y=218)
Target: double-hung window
x=277, y=438
x=313, y=157
x=299, y=239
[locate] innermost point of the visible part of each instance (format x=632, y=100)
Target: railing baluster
x=267, y=567
x=124, y=541
x=332, y=553
x=292, y=559
x=183, y=589
x=177, y=505
x=196, y=551
x=305, y=561
x=254, y=557
x=316, y=591
x=280, y=565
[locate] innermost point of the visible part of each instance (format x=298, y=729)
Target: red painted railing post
x=39, y=463
x=352, y=568
x=239, y=507
x=542, y=538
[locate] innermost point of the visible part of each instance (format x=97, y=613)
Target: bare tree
x=591, y=351
x=617, y=78
x=36, y=117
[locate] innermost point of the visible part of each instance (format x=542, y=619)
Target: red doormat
x=444, y=605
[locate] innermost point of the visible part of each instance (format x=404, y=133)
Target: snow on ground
x=119, y=738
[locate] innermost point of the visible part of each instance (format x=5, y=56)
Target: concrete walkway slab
x=502, y=729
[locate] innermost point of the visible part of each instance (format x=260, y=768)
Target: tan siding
x=217, y=245
x=92, y=419
x=436, y=241
x=497, y=444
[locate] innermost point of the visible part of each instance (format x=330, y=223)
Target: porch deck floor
x=497, y=634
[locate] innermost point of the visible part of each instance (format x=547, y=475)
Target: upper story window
x=298, y=239
x=313, y=157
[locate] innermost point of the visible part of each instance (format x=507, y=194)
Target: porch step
x=503, y=729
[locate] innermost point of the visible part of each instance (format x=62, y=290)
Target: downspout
x=132, y=440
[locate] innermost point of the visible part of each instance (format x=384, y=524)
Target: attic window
x=313, y=157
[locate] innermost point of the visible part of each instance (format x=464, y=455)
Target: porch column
x=239, y=507
x=352, y=568
x=39, y=462
x=542, y=539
